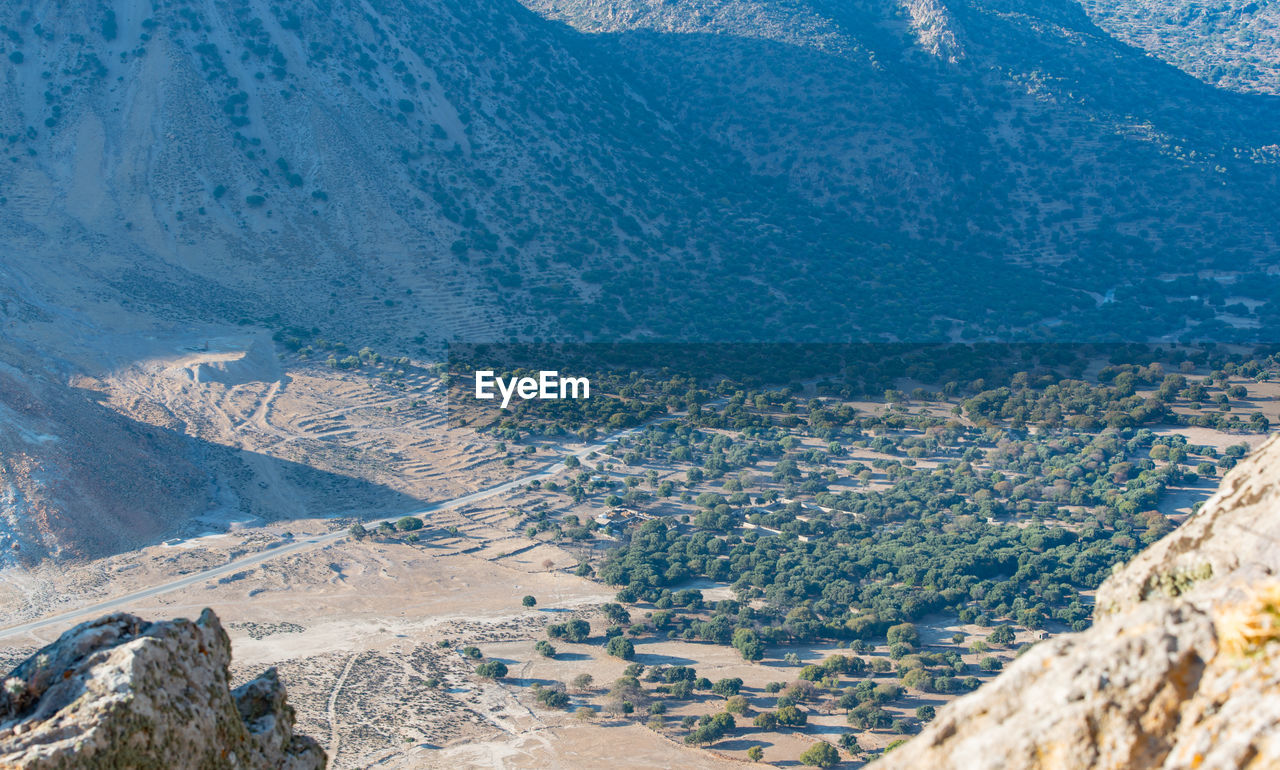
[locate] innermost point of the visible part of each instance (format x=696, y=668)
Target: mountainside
x=447, y=170
x=471, y=171
x=1019, y=131
x=405, y=173
x=121, y=692
x=1231, y=44
x=59, y=491
x=315, y=164
x=1181, y=669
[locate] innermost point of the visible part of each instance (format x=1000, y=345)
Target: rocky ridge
x=122, y=692
x=1181, y=669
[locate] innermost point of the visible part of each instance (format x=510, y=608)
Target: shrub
x=904, y=633
x=727, y=687
x=621, y=647
x=1002, y=635
x=748, y=644
x=552, y=697
x=492, y=669
x=711, y=729
x=869, y=716
x=820, y=754
x=573, y=631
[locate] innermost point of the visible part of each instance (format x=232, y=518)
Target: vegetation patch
x=1247, y=627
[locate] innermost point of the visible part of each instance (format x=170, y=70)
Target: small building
x=620, y=516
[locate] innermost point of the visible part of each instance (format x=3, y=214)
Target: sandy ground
x=356, y=628
x=245, y=392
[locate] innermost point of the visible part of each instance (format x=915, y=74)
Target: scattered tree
x=621, y=647
x=820, y=754
x=492, y=669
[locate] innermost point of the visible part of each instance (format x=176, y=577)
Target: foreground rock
x=120, y=692
x=1181, y=669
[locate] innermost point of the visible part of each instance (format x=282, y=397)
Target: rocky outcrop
x=1180, y=670
x=119, y=692
x=935, y=29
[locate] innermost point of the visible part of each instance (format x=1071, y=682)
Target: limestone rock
x=121, y=692
x=1180, y=670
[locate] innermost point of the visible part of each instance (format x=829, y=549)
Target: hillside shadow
x=1116, y=74
x=125, y=484
x=788, y=119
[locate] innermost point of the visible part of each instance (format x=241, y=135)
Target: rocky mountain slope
x=122, y=692
x=1231, y=44
x=1180, y=670
x=1013, y=129
x=473, y=171
x=59, y=490
x=403, y=173
x=443, y=170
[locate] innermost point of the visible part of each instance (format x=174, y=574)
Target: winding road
x=72, y=617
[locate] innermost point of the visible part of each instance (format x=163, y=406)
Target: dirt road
x=68, y=619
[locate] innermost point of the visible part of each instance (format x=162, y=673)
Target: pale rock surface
x=121, y=692
x=1181, y=669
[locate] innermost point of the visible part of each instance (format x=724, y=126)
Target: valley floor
x=371, y=636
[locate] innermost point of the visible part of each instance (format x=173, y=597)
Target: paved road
x=67, y=619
